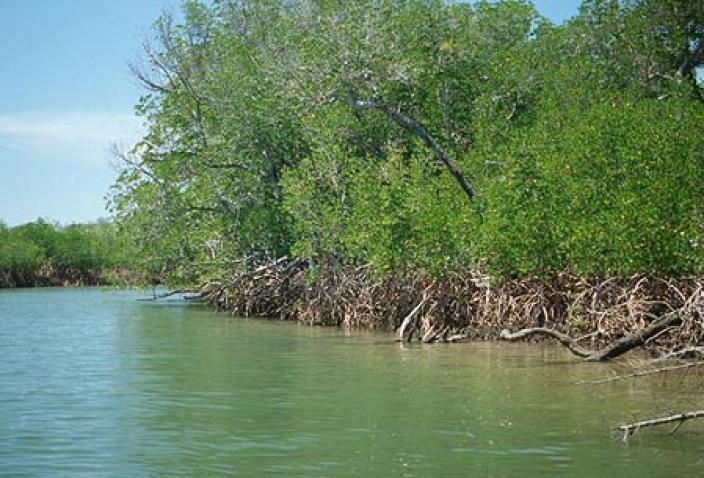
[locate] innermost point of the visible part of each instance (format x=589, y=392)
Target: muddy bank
x=467, y=306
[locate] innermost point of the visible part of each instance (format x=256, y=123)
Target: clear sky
x=66, y=95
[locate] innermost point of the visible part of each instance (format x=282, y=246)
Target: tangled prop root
x=597, y=313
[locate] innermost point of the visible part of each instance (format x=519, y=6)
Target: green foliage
x=17, y=254
x=582, y=139
x=32, y=246
x=619, y=190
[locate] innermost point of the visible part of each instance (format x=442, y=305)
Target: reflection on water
x=93, y=383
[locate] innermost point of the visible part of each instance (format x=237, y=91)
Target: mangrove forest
x=476, y=200
x=42, y=253
x=446, y=170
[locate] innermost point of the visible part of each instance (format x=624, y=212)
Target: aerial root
x=609, y=315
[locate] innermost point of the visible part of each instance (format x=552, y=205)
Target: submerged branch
x=167, y=294
x=629, y=429
x=643, y=373
x=564, y=339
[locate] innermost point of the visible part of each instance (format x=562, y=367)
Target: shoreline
x=592, y=311
x=582, y=313
x=49, y=276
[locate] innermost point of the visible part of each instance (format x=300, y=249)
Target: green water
x=94, y=383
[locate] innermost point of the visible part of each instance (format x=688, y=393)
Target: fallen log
x=619, y=347
x=629, y=429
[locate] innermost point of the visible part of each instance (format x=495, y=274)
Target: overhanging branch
x=417, y=130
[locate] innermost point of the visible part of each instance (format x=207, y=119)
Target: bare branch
x=564, y=339
x=609, y=352
x=629, y=429
x=643, y=373
x=403, y=335
x=166, y=294
x=415, y=128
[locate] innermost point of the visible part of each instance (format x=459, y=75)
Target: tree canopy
x=419, y=134
x=42, y=248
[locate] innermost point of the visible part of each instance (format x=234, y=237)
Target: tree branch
x=403, y=334
x=635, y=339
x=564, y=339
x=629, y=429
x=166, y=294
x=417, y=130
x=609, y=352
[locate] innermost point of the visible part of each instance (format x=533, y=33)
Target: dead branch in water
x=643, y=373
x=617, y=348
x=167, y=294
x=629, y=429
x=564, y=339
x=687, y=352
x=635, y=339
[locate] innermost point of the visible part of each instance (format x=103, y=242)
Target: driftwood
x=564, y=339
x=629, y=429
x=615, y=349
x=156, y=296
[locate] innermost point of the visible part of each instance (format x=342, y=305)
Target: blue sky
x=66, y=95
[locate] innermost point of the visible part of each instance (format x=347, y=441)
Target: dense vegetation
x=419, y=135
x=42, y=253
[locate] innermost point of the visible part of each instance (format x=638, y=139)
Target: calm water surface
x=94, y=383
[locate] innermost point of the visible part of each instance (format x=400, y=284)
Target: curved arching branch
x=416, y=129
x=611, y=351
x=564, y=339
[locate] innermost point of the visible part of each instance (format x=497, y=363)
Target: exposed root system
x=596, y=311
